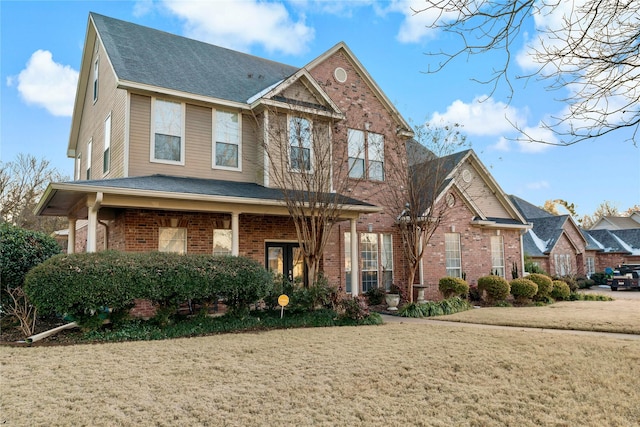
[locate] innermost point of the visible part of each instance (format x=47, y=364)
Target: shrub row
x=434, y=308
x=453, y=287
x=81, y=284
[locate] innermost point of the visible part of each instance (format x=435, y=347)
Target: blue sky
x=41, y=48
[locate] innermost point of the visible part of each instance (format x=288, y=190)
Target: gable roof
x=528, y=210
x=617, y=241
x=151, y=57
x=616, y=223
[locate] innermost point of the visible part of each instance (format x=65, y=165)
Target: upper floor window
x=366, y=155
x=497, y=256
x=300, y=150
x=106, y=154
x=167, y=136
x=227, y=152
x=452, y=254
x=96, y=68
x=89, y=144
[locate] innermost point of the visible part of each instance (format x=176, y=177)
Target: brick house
x=176, y=146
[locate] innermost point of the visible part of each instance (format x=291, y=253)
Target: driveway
x=620, y=294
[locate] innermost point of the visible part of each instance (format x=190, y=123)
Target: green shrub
x=375, y=296
x=412, y=309
x=545, y=285
x=354, y=308
x=561, y=290
x=523, y=289
x=583, y=283
x=495, y=287
x=569, y=280
x=20, y=251
x=599, y=279
x=81, y=285
x=434, y=308
x=453, y=287
x=531, y=266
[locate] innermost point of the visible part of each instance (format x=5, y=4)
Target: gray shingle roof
x=200, y=186
x=152, y=57
x=528, y=210
x=623, y=241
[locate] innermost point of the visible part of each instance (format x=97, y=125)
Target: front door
x=286, y=259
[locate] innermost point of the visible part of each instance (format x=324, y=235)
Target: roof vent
x=340, y=74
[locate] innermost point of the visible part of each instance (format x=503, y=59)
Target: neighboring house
x=615, y=247
x=174, y=141
x=556, y=243
x=481, y=231
x=618, y=222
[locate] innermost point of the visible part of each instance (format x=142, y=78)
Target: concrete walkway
x=428, y=321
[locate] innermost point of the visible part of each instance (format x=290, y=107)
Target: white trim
x=127, y=131
x=265, y=147
x=107, y=144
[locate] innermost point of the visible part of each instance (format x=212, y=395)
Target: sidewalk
x=433, y=322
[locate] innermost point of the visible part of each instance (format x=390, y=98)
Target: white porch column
x=355, y=267
x=92, y=227
x=71, y=238
x=235, y=233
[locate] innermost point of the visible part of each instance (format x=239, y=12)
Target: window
x=347, y=261
x=369, y=260
x=106, y=155
x=96, y=67
x=222, y=242
x=452, y=255
x=497, y=256
x=363, y=152
x=78, y=166
x=356, y=153
x=591, y=266
x=300, y=144
x=167, y=135
x=89, y=144
x=172, y=239
x=227, y=140
x=386, y=260
x=563, y=264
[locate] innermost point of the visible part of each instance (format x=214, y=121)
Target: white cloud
x=537, y=133
x=47, y=84
x=483, y=116
x=538, y=185
x=240, y=24
x=415, y=26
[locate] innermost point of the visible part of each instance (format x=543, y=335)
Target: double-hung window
x=300, y=148
x=96, y=68
x=366, y=155
x=386, y=260
x=227, y=153
x=172, y=239
x=452, y=254
x=376, y=261
x=369, y=260
x=497, y=256
x=167, y=144
x=591, y=266
x=106, y=155
x=89, y=144
x=222, y=242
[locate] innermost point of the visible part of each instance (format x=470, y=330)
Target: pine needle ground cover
x=394, y=374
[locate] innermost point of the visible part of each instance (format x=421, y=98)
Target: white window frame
x=221, y=237
x=300, y=144
x=453, y=254
x=179, y=241
x=356, y=153
x=497, y=255
x=226, y=139
x=371, y=265
x=591, y=266
x=89, y=155
x=562, y=264
x=96, y=81
x=106, y=153
x=152, y=157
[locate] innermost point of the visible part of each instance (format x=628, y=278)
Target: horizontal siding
x=481, y=194
x=198, y=145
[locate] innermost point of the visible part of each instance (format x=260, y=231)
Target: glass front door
x=286, y=259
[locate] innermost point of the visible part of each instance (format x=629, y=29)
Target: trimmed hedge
x=453, y=287
x=561, y=290
x=497, y=288
x=523, y=289
x=545, y=285
x=82, y=284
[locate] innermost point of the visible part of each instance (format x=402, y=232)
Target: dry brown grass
x=621, y=316
x=396, y=374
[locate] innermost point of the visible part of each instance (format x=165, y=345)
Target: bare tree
x=417, y=203
x=589, y=47
x=605, y=208
x=551, y=207
x=22, y=183
x=311, y=171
